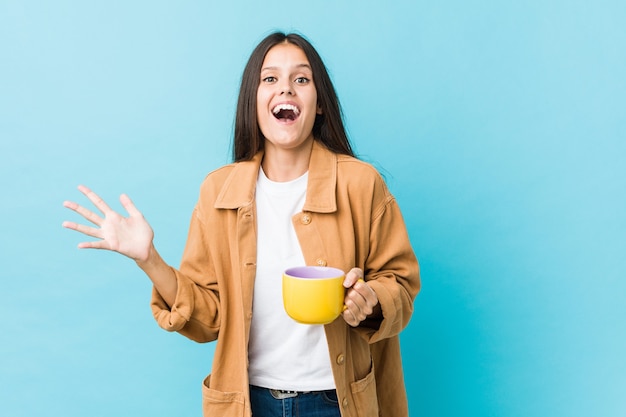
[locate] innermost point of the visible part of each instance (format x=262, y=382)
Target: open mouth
x=286, y=112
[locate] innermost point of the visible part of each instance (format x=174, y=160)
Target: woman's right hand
x=131, y=236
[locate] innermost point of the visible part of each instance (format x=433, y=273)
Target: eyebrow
x=297, y=66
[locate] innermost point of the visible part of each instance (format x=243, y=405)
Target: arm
x=392, y=273
x=187, y=303
x=195, y=311
x=393, y=276
x=130, y=236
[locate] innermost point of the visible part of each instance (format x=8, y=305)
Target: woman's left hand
x=360, y=298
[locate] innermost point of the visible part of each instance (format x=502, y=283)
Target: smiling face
x=286, y=99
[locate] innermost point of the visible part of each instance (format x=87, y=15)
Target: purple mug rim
x=314, y=272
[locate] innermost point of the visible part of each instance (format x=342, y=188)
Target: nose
x=286, y=88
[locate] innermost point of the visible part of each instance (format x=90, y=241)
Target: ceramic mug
x=313, y=294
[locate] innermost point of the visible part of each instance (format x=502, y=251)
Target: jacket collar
x=240, y=185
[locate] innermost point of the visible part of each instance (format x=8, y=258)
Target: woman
x=294, y=195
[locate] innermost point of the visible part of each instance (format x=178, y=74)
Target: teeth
x=291, y=107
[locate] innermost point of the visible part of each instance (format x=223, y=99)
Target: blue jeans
x=313, y=404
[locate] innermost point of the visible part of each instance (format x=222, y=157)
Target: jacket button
x=305, y=219
x=344, y=402
x=340, y=359
x=320, y=262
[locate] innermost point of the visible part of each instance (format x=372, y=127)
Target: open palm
x=131, y=236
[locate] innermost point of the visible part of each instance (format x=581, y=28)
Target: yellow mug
x=313, y=294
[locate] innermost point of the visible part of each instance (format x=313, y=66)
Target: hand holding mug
x=360, y=299
x=318, y=295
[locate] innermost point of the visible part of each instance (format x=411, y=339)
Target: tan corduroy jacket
x=349, y=219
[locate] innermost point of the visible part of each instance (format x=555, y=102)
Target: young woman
x=294, y=195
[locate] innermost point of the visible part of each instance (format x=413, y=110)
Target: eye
x=302, y=80
x=269, y=79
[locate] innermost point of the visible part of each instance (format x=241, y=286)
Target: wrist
x=151, y=259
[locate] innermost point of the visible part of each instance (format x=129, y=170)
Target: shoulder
x=214, y=180
x=360, y=184
x=353, y=172
x=219, y=175
x=231, y=186
x=352, y=163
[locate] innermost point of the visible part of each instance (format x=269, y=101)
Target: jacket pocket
x=219, y=403
x=364, y=394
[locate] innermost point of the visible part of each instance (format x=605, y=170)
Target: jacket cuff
x=174, y=318
x=391, y=306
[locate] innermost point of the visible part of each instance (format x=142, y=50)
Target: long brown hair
x=328, y=127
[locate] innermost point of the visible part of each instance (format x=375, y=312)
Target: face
x=286, y=98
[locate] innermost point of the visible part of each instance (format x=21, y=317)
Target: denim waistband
x=281, y=394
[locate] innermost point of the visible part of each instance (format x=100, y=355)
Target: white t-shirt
x=283, y=354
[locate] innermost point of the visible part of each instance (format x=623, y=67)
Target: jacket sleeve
x=195, y=313
x=391, y=269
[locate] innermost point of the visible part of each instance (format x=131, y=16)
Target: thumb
x=352, y=277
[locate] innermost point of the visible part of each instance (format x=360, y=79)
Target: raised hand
x=131, y=236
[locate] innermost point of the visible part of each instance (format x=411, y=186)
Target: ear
x=319, y=109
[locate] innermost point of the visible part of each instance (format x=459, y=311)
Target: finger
x=98, y=244
x=353, y=315
x=86, y=230
x=95, y=199
x=368, y=294
x=355, y=295
x=362, y=299
x=129, y=206
x=87, y=214
x=358, y=304
x=350, y=318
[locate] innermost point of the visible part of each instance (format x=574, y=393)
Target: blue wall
x=500, y=127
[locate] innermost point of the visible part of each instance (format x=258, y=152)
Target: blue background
x=499, y=126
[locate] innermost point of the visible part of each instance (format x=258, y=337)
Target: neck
x=281, y=165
